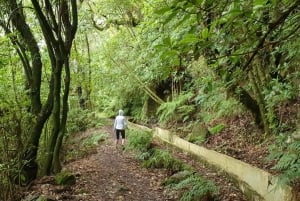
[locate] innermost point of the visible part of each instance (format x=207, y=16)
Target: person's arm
x=125, y=123
x=114, y=127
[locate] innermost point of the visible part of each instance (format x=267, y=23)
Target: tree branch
x=272, y=26
x=46, y=28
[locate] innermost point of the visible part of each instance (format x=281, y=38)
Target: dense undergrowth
x=288, y=161
x=183, y=181
x=78, y=147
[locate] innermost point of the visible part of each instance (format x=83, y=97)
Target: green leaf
x=259, y=2
x=217, y=129
x=205, y=33
x=169, y=18
x=162, y=11
x=167, y=41
x=189, y=39
x=169, y=54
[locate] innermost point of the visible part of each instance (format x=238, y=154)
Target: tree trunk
x=28, y=50
x=58, y=24
x=29, y=170
x=246, y=100
x=89, y=85
x=55, y=120
x=56, y=165
x=257, y=91
x=241, y=95
x=60, y=32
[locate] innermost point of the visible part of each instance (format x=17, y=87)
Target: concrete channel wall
x=258, y=185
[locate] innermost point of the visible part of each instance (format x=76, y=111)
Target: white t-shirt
x=120, y=123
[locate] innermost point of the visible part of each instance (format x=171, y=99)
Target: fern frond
x=140, y=141
x=163, y=159
x=288, y=162
x=178, y=108
x=197, y=187
x=295, y=146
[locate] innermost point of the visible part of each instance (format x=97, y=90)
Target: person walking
x=120, y=125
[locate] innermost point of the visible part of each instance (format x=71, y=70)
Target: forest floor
x=242, y=140
x=110, y=173
x=107, y=173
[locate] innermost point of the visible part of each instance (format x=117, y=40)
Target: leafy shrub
x=163, y=159
x=198, y=139
x=8, y=190
x=198, y=189
x=177, y=109
x=11, y=122
x=288, y=160
x=65, y=178
x=94, y=139
x=276, y=93
x=80, y=120
x=191, y=186
x=139, y=141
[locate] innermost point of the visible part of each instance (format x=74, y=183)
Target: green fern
x=197, y=188
x=177, y=109
x=288, y=161
x=295, y=146
x=163, y=159
x=140, y=141
x=217, y=129
x=216, y=105
x=171, y=181
x=274, y=94
x=145, y=155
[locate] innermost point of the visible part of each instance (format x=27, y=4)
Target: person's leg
x=123, y=137
x=117, y=137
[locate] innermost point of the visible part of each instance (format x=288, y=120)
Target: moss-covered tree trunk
x=237, y=91
x=56, y=165
x=60, y=31
x=29, y=53
x=89, y=82
x=58, y=22
x=55, y=122
x=259, y=97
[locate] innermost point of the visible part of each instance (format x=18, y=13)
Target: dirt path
x=113, y=174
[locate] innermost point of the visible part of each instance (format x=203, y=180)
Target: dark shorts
x=118, y=132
